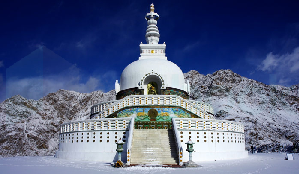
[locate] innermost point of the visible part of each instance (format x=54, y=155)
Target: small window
x=115, y=132
x=189, y=132
x=82, y=141
x=205, y=141
x=100, y=141
x=197, y=132
x=94, y=141
x=181, y=140
x=107, y=141
x=87, y=140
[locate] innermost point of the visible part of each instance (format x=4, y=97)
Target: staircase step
x=153, y=146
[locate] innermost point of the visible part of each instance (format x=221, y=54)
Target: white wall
x=96, y=149
x=209, y=145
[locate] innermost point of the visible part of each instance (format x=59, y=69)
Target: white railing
x=178, y=143
x=99, y=124
x=207, y=124
x=201, y=109
x=130, y=139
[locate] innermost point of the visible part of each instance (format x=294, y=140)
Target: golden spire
x=152, y=8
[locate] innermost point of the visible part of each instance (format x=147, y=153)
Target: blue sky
x=85, y=45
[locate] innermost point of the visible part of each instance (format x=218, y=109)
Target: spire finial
x=152, y=33
x=152, y=8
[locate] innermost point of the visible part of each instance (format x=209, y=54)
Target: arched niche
x=152, y=85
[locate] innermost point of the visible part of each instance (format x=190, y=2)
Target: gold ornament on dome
x=152, y=9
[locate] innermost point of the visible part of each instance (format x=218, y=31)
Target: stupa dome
x=165, y=73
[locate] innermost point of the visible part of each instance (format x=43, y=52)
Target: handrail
x=209, y=124
x=95, y=124
x=178, y=143
x=130, y=139
x=192, y=106
x=131, y=128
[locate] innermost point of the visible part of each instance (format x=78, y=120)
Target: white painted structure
x=95, y=139
x=165, y=73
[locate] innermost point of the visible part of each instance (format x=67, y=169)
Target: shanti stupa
x=153, y=116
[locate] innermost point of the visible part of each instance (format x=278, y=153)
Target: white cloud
x=285, y=67
x=191, y=46
x=79, y=44
x=288, y=62
x=33, y=44
x=269, y=63
x=38, y=86
x=294, y=60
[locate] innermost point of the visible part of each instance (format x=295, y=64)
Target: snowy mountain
x=30, y=127
x=270, y=113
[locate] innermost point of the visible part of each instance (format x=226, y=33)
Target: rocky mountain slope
x=30, y=127
x=270, y=113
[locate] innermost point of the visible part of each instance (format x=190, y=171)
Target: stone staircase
x=153, y=147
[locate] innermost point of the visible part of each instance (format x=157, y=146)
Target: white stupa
x=153, y=116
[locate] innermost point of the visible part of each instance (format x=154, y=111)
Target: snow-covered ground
x=257, y=163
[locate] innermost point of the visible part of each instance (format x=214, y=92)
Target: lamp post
x=119, y=149
x=190, y=149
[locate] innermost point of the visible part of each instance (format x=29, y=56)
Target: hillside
x=30, y=127
x=270, y=113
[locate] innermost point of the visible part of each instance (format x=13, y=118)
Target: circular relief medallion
x=152, y=113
